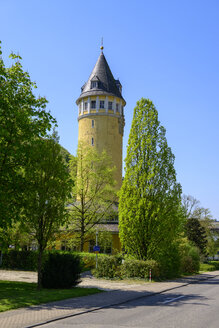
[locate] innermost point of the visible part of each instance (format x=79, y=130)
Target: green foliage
x=66, y=155
x=93, y=191
x=108, y=267
x=48, y=186
x=196, y=234
x=169, y=260
x=112, y=266
x=23, y=118
x=190, y=258
x=61, y=271
x=193, y=210
x=209, y=266
x=139, y=269
x=149, y=204
x=20, y=260
x=213, y=244
x=15, y=235
x=88, y=260
x=105, y=241
x=47, y=189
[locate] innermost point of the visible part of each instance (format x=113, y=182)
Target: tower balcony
x=100, y=105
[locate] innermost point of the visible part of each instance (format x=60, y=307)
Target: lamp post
x=96, y=245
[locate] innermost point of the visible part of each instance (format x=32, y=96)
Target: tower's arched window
x=92, y=141
x=92, y=123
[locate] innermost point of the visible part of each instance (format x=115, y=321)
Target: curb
x=148, y=294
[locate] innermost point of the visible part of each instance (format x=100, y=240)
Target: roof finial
x=102, y=47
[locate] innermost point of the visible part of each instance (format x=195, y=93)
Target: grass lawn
x=20, y=294
x=210, y=266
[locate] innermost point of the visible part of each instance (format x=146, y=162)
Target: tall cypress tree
x=149, y=203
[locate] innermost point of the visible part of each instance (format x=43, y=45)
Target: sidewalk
x=117, y=293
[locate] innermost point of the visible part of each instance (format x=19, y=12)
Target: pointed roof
x=107, y=85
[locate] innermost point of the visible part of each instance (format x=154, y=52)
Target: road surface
x=195, y=305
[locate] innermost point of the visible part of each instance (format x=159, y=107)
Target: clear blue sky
x=167, y=51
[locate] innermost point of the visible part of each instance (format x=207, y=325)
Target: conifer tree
x=149, y=204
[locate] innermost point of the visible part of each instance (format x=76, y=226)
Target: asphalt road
x=195, y=305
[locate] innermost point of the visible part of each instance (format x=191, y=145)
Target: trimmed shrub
x=88, y=260
x=20, y=260
x=139, y=269
x=169, y=261
x=61, y=271
x=190, y=259
x=108, y=267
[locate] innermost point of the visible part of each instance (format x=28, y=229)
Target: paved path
x=118, y=292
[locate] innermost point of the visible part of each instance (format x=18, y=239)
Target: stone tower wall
x=105, y=131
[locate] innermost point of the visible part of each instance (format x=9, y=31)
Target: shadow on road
x=120, y=300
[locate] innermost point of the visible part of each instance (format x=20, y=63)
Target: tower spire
x=102, y=47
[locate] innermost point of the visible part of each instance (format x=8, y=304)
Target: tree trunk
x=39, y=281
x=82, y=236
x=82, y=243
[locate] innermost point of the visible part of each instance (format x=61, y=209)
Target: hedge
x=61, y=271
x=139, y=269
x=20, y=260
x=27, y=260
x=108, y=267
x=112, y=267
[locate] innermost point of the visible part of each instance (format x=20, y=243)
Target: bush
x=169, y=261
x=20, y=260
x=108, y=267
x=209, y=266
x=61, y=271
x=139, y=269
x=111, y=266
x=190, y=259
x=88, y=260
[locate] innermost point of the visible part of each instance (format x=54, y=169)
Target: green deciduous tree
x=22, y=119
x=93, y=194
x=193, y=210
x=47, y=190
x=16, y=235
x=197, y=234
x=149, y=203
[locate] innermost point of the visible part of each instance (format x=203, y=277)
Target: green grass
x=21, y=294
x=210, y=266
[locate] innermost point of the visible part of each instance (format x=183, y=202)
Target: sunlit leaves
x=150, y=195
x=22, y=119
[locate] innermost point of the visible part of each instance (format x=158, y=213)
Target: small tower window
x=101, y=103
x=110, y=105
x=92, y=141
x=85, y=106
x=92, y=123
x=117, y=107
x=93, y=104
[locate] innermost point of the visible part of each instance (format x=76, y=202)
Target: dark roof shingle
x=107, y=85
